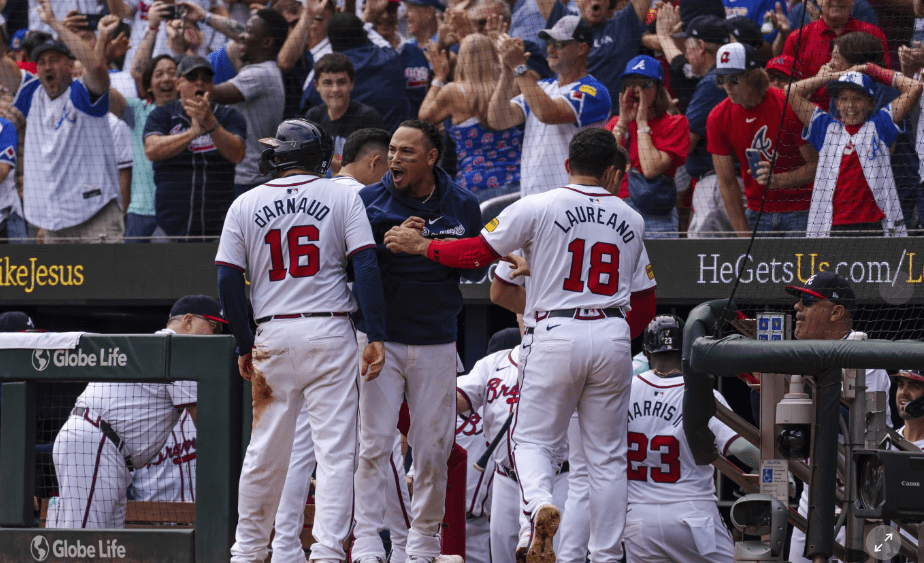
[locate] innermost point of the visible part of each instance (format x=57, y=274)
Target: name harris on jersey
x=294, y=204
x=595, y=214
x=655, y=409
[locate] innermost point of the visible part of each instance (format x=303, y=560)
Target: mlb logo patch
x=291, y=191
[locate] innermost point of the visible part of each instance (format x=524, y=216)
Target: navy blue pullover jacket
x=422, y=297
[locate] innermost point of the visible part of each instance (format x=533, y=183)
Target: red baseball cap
x=910, y=374
x=784, y=64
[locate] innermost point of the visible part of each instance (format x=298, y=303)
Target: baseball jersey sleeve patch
x=650, y=271
x=492, y=225
x=588, y=89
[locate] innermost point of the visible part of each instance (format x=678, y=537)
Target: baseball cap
x=690, y=9
x=431, y=3
x=783, y=64
x=914, y=374
x=643, y=65
x=852, y=80
x=830, y=286
x=191, y=63
x=736, y=58
x=15, y=321
x=745, y=31
x=504, y=339
x=51, y=45
x=569, y=28
x=201, y=305
x=706, y=28
x=16, y=40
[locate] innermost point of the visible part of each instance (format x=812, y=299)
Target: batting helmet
x=298, y=143
x=664, y=334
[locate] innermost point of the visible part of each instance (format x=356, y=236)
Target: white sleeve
x=182, y=393
x=232, y=248
x=122, y=138
x=512, y=228
x=504, y=269
x=357, y=231
x=643, y=277
x=474, y=385
x=723, y=434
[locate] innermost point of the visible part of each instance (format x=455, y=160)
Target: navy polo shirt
x=616, y=42
x=707, y=95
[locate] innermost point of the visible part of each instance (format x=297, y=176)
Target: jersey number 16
x=296, y=251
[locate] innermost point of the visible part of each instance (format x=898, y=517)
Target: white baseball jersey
x=171, y=476
x=142, y=414
x=605, y=259
x=470, y=435
x=661, y=466
x=491, y=388
x=349, y=181
x=69, y=156
x=301, y=229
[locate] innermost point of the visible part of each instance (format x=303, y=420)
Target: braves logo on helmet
x=664, y=334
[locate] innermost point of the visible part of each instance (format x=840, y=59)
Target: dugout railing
x=208, y=360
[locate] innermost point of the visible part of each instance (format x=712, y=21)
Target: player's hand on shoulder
x=520, y=267
x=373, y=360
x=405, y=239
x=245, y=364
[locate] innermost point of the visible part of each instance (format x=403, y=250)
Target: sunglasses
x=643, y=84
x=558, y=44
x=215, y=325
x=722, y=79
x=808, y=299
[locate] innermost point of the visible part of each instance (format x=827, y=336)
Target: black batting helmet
x=298, y=143
x=664, y=334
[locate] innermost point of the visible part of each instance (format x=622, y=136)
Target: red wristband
x=879, y=74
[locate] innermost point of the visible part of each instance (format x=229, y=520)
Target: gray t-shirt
x=265, y=99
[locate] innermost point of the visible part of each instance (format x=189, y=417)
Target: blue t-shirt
x=754, y=10
x=616, y=42
x=416, y=74
x=221, y=64
x=706, y=96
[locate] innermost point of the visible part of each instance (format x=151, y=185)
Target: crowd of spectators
x=140, y=120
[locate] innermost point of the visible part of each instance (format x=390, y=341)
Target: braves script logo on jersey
x=471, y=427
x=763, y=144
x=496, y=390
x=203, y=143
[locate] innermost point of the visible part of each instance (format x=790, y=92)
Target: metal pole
x=853, y=539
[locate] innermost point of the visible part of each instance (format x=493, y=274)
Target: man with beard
x=257, y=91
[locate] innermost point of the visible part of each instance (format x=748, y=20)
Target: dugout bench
x=208, y=360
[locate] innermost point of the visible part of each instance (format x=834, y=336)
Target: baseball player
x=672, y=514
x=577, y=356
x=295, y=235
x=171, y=475
x=423, y=301
x=116, y=427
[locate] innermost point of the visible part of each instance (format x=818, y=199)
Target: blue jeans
x=139, y=226
x=659, y=226
x=16, y=229
x=791, y=224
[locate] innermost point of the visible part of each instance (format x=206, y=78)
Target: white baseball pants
x=92, y=478
x=303, y=360
x=290, y=516
x=677, y=532
x=477, y=539
x=575, y=518
x=426, y=375
x=568, y=364
x=507, y=518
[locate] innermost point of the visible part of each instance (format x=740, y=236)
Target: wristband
x=154, y=29
x=437, y=83
x=879, y=74
x=212, y=130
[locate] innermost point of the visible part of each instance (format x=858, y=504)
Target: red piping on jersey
x=659, y=386
x=398, y=490
x=290, y=185
x=467, y=400
x=643, y=311
x=510, y=357
x=468, y=253
x=505, y=282
x=183, y=406
x=728, y=443
x=350, y=255
x=588, y=194
x=235, y=266
x=99, y=454
x=471, y=509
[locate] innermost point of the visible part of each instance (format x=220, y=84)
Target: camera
x=759, y=515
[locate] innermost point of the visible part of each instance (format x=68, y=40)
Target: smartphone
x=173, y=12
x=754, y=159
x=92, y=21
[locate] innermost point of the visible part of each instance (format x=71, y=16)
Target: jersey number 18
x=598, y=268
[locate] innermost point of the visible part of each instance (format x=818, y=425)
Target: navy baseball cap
x=736, y=58
x=51, y=45
x=15, y=321
x=914, y=374
x=16, y=40
x=201, y=305
x=830, y=286
x=504, y=339
x=569, y=28
x=745, y=30
x=192, y=63
x=431, y=3
x=643, y=65
x=852, y=81
x=707, y=28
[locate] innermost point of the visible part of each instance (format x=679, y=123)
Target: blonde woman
x=489, y=161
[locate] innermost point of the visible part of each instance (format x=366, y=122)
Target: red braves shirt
x=853, y=200
x=732, y=128
x=814, y=48
x=669, y=133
